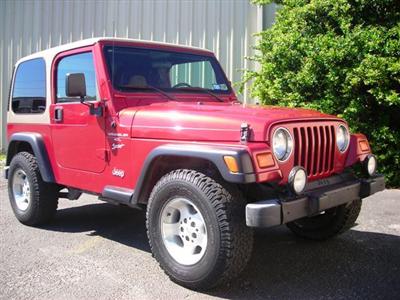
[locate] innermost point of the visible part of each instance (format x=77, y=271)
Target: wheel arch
x=33, y=143
x=207, y=159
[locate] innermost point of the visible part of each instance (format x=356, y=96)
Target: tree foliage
x=341, y=57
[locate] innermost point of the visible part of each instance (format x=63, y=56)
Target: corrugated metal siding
x=223, y=26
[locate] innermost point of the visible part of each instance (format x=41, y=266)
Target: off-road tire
x=333, y=222
x=44, y=196
x=230, y=242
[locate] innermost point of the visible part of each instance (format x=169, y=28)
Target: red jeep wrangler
x=158, y=127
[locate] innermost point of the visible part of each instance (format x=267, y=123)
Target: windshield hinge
x=244, y=132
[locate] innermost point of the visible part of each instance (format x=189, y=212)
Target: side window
x=78, y=63
x=29, y=92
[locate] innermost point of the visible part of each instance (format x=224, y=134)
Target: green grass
x=2, y=157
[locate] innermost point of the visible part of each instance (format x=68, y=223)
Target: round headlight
x=342, y=138
x=370, y=164
x=282, y=144
x=297, y=180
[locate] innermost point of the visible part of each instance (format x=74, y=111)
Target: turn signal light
x=364, y=146
x=231, y=163
x=265, y=160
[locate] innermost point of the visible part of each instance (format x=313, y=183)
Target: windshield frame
x=166, y=48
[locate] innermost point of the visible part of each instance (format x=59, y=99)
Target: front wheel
x=328, y=224
x=197, y=231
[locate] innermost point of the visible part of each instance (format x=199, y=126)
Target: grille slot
x=315, y=148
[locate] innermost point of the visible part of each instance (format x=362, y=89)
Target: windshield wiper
x=150, y=87
x=200, y=89
x=161, y=92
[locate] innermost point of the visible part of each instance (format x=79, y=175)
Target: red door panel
x=78, y=138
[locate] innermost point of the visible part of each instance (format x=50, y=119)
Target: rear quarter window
x=29, y=90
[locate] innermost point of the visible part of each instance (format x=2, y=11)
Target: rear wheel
x=197, y=231
x=330, y=223
x=33, y=201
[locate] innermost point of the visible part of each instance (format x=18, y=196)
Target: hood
x=211, y=122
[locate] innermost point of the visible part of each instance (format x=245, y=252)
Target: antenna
x=113, y=55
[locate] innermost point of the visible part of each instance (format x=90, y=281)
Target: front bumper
x=320, y=196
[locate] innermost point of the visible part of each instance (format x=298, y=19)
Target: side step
x=118, y=195
x=72, y=194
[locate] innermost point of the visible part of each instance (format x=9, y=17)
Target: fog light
x=370, y=164
x=297, y=179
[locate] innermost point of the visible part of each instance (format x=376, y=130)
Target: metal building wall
x=223, y=26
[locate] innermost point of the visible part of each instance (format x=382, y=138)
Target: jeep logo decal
x=118, y=172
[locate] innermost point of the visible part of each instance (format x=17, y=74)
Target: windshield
x=137, y=69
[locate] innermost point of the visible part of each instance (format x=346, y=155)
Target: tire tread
x=236, y=238
x=43, y=194
x=345, y=218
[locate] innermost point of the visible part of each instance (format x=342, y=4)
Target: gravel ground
x=93, y=250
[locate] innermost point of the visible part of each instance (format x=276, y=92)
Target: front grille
x=315, y=148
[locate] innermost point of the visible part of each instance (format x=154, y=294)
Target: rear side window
x=29, y=92
x=77, y=63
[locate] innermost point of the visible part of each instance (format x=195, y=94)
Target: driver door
x=78, y=137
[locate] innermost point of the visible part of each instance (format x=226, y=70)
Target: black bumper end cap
x=372, y=185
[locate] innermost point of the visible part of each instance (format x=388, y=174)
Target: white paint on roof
x=50, y=53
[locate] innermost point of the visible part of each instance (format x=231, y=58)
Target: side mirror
x=75, y=85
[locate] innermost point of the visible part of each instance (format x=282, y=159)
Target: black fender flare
x=36, y=142
x=212, y=153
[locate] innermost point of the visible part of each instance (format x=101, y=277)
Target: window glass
x=29, y=92
x=196, y=74
x=78, y=63
x=135, y=69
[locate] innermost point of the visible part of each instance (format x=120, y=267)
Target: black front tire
x=230, y=242
x=43, y=200
x=332, y=222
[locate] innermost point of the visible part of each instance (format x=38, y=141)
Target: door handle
x=58, y=114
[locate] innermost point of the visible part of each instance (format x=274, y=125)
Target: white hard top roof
x=51, y=52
